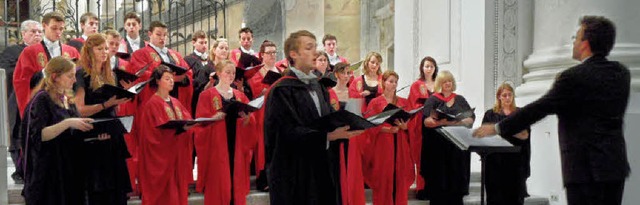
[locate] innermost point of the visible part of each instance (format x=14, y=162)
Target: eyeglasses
x=270, y=52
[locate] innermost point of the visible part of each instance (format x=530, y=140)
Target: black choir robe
x=300, y=171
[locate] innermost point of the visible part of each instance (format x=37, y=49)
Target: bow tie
x=135, y=42
x=204, y=56
x=164, y=50
x=52, y=45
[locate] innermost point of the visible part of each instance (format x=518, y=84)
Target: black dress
x=507, y=173
x=230, y=120
x=445, y=167
x=107, y=176
x=52, y=168
x=372, y=89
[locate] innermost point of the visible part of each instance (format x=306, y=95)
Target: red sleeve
x=414, y=94
x=355, y=88
x=235, y=55
x=333, y=99
x=185, y=94
x=26, y=66
x=256, y=85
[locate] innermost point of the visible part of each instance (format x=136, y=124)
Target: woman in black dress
x=445, y=168
x=51, y=130
x=107, y=177
x=507, y=173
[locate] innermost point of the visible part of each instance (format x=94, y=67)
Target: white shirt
x=164, y=53
x=53, y=47
x=250, y=51
x=84, y=37
x=113, y=61
x=203, y=57
x=333, y=59
x=135, y=43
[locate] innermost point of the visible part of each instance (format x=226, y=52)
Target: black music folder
x=403, y=115
x=112, y=126
x=123, y=56
x=175, y=68
x=126, y=76
x=271, y=77
x=453, y=117
x=327, y=82
x=179, y=124
x=237, y=106
x=247, y=72
x=109, y=91
x=462, y=137
x=341, y=118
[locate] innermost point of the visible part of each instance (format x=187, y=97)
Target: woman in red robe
x=224, y=148
x=351, y=178
x=367, y=85
x=420, y=91
x=268, y=56
x=165, y=168
x=390, y=170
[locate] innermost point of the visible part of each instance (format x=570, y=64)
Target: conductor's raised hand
x=485, y=130
x=82, y=124
x=342, y=133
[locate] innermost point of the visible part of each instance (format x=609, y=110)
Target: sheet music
x=127, y=122
x=257, y=103
x=463, y=136
x=354, y=105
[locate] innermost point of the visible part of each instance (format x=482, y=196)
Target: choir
x=292, y=159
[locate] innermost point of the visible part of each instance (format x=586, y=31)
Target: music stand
x=463, y=139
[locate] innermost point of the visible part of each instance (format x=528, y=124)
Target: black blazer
x=590, y=100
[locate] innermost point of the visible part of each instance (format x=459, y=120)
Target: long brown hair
x=88, y=59
x=497, y=108
x=368, y=58
x=56, y=67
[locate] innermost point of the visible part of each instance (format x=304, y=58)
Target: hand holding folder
x=112, y=126
x=109, y=91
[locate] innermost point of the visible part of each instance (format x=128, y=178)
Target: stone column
x=4, y=136
x=555, y=21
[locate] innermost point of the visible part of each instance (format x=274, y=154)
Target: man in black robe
x=199, y=62
x=298, y=159
x=31, y=32
x=590, y=100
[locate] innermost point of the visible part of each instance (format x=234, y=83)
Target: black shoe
x=422, y=195
x=17, y=179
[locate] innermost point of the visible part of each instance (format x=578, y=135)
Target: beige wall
x=305, y=15
x=342, y=19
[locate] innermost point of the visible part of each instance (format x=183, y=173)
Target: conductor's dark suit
x=590, y=100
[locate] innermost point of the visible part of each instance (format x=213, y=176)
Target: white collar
x=250, y=51
x=198, y=53
x=84, y=37
x=335, y=55
x=160, y=50
x=302, y=76
x=49, y=43
x=137, y=40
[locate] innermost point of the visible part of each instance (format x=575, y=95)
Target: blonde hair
x=442, y=77
x=56, y=67
x=368, y=58
x=88, y=59
x=220, y=66
x=497, y=108
x=214, y=45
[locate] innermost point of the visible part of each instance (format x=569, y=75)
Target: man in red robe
x=89, y=24
x=35, y=57
x=246, y=41
x=132, y=40
x=153, y=55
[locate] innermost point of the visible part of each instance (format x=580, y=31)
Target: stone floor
x=260, y=198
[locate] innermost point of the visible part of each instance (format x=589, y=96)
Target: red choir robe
x=282, y=64
x=418, y=93
x=351, y=177
x=213, y=153
x=165, y=158
x=256, y=85
x=234, y=56
x=357, y=86
x=139, y=59
x=382, y=171
x=32, y=60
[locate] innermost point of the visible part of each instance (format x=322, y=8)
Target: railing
x=177, y=14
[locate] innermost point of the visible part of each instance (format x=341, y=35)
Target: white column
x=4, y=136
x=554, y=24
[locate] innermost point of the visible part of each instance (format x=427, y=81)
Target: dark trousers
x=15, y=145
x=595, y=193
x=446, y=200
